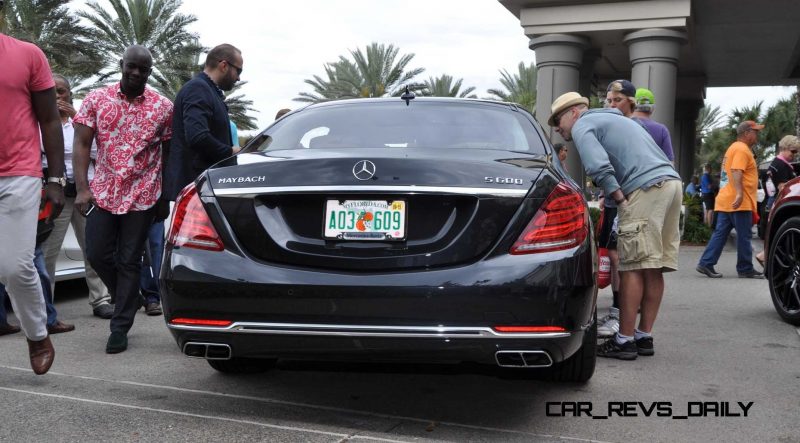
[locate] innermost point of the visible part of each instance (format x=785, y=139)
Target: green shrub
x=694, y=230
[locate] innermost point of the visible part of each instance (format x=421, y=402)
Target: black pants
x=114, y=245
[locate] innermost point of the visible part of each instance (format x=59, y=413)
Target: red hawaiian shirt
x=127, y=173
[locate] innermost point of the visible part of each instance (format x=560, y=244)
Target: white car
x=69, y=264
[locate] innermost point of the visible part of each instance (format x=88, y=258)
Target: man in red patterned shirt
x=131, y=124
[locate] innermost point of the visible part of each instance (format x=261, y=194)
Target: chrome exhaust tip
x=208, y=351
x=523, y=359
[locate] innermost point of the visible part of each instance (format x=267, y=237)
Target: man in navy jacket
x=201, y=126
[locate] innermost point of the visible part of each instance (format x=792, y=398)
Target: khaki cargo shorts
x=649, y=232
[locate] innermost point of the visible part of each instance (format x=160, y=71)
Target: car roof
x=358, y=101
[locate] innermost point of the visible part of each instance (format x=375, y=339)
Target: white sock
x=622, y=339
x=637, y=334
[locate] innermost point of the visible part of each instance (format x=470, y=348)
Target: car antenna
x=407, y=96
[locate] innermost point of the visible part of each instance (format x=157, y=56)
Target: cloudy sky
x=286, y=41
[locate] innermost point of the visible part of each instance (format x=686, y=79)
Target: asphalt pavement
x=720, y=350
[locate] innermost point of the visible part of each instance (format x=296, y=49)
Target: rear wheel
x=580, y=366
x=239, y=365
x=783, y=270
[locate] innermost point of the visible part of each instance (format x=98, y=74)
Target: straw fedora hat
x=563, y=102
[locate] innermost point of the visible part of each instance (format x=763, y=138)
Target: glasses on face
x=793, y=151
x=557, y=119
x=237, y=68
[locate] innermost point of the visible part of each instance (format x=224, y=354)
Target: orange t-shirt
x=738, y=156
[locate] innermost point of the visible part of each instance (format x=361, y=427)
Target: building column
x=654, y=57
x=686, y=142
x=558, y=63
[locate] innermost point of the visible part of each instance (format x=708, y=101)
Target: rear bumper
x=342, y=343
x=441, y=315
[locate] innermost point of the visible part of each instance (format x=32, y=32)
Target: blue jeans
x=742, y=221
x=38, y=262
x=148, y=282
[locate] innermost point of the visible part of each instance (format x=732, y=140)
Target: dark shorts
x=708, y=201
x=607, y=238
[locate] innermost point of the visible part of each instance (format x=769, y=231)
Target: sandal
x=760, y=262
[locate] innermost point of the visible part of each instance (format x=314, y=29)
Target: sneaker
x=752, y=274
x=611, y=349
x=608, y=326
x=708, y=270
x=645, y=346
x=104, y=311
x=117, y=342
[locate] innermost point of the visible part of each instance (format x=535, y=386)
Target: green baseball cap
x=645, y=97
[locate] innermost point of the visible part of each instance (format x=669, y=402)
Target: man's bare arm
x=736, y=177
x=81, y=149
x=46, y=111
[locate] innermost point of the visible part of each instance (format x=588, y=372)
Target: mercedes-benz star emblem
x=364, y=170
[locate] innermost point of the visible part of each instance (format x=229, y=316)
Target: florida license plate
x=365, y=220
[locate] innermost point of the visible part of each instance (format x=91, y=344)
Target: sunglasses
x=793, y=151
x=237, y=68
x=557, y=118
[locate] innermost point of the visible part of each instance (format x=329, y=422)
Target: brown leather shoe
x=42, y=355
x=60, y=327
x=8, y=329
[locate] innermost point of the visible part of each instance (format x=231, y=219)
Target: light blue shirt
x=234, y=134
x=619, y=153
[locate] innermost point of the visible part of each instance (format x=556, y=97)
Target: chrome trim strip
x=251, y=192
x=369, y=331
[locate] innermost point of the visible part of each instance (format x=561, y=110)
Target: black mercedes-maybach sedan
x=386, y=230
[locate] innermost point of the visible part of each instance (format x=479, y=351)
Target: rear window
x=421, y=125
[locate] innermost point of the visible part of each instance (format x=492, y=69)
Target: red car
x=782, y=243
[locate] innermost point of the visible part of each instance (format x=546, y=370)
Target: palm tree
x=779, y=120
x=519, y=87
x=52, y=27
x=797, y=106
x=375, y=72
x=443, y=86
x=707, y=119
x=239, y=109
x=155, y=24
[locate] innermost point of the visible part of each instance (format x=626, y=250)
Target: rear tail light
x=561, y=223
x=181, y=321
x=191, y=227
x=528, y=329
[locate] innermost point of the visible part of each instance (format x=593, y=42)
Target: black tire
x=783, y=270
x=580, y=366
x=238, y=365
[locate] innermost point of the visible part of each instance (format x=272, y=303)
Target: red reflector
x=200, y=322
x=560, y=223
x=519, y=329
x=191, y=227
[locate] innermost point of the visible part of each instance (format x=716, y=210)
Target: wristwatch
x=60, y=180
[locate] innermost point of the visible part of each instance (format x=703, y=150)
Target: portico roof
x=730, y=42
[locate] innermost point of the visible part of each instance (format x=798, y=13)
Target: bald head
x=137, y=51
